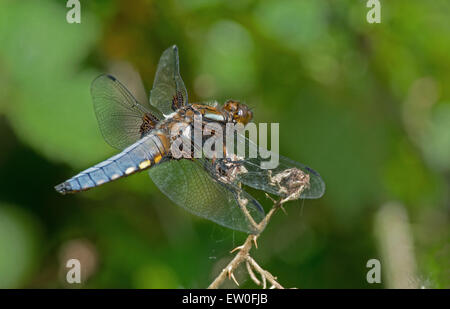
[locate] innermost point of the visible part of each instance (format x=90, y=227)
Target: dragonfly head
x=239, y=112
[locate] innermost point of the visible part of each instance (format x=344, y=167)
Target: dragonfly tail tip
x=63, y=188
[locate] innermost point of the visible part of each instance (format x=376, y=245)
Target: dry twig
x=243, y=255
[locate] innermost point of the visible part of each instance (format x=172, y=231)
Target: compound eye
x=240, y=113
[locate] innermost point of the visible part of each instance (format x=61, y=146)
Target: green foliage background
x=367, y=105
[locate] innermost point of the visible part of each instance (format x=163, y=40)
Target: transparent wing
x=190, y=186
x=119, y=115
x=168, y=83
x=281, y=180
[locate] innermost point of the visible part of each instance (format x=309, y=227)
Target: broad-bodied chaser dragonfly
x=207, y=187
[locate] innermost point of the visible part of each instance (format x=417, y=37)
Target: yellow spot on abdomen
x=145, y=164
x=115, y=176
x=157, y=158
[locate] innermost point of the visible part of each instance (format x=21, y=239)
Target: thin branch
x=243, y=255
x=231, y=267
x=252, y=274
x=264, y=273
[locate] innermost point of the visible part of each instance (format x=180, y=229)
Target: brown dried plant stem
x=243, y=255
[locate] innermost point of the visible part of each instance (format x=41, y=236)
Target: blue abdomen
x=141, y=155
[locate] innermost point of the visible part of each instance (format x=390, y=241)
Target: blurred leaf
x=406, y=178
x=51, y=109
x=228, y=58
x=155, y=276
x=293, y=23
x=19, y=237
x=436, y=142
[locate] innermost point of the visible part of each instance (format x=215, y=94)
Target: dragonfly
x=212, y=188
